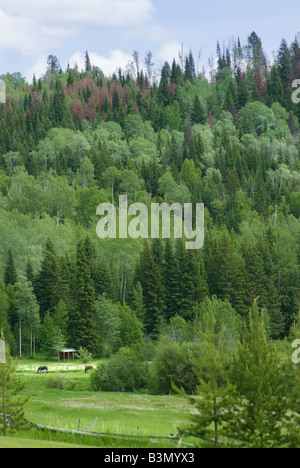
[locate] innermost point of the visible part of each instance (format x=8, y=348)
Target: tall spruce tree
x=12, y=399
x=82, y=324
x=153, y=290
x=227, y=273
x=198, y=114
x=216, y=407
x=49, y=285
x=10, y=274
x=184, y=282
x=170, y=275
x=258, y=377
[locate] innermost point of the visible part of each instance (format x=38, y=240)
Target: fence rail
x=55, y=368
x=132, y=437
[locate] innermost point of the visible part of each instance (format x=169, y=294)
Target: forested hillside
x=74, y=139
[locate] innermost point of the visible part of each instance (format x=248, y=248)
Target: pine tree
x=116, y=100
x=260, y=382
x=82, y=326
x=242, y=92
x=29, y=271
x=150, y=278
x=227, y=274
x=170, y=275
x=275, y=87
x=199, y=275
x=49, y=285
x=163, y=90
x=272, y=301
x=10, y=275
x=88, y=66
x=49, y=332
x=198, y=115
x=231, y=100
x=90, y=254
x=104, y=281
x=284, y=66
x=12, y=413
x=137, y=302
x=61, y=318
x=216, y=407
x=187, y=70
x=184, y=282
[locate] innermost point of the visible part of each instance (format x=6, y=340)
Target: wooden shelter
x=66, y=354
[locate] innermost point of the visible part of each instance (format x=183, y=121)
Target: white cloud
x=159, y=33
x=170, y=51
x=39, y=69
x=102, y=12
x=34, y=27
x=26, y=35
x=108, y=65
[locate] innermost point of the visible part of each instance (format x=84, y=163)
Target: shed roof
x=67, y=350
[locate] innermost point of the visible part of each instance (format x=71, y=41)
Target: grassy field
x=22, y=443
x=73, y=406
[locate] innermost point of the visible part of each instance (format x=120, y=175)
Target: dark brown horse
x=88, y=368
x=42, y=369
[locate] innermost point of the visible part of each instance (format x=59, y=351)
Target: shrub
x=56, y=381
x=172, y=367
x=124, y=372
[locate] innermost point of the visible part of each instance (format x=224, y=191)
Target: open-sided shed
x=66, y=354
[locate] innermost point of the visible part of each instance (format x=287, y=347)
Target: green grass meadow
x=62, y=399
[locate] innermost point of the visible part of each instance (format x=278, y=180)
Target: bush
x=124, y=372
x=56, y=381
x=172, y=367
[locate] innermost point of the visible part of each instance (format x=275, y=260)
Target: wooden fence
x=32, y=369
x=177, y=440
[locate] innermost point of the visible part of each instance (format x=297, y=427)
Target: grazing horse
x=42, y=369
x=88, y=368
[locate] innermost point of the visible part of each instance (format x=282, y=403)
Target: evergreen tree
x=227, y=274
x=275, y=87
x=29, y=271
x=12, y=412
x=150, y=278
x=260, y=382
x=49, y=285
x=82, y=327
x=49, y=335
x=170, y=275
x=88, y=66
x=184, y=282
x=231, y=100
x=284, y=66
x=198, y=115
x=242, y=92
x=216, y=408
x=10, y=274
x=163, y=90
x=104, y=281
x=137, y=302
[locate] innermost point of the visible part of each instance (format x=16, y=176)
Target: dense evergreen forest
x=74, y=139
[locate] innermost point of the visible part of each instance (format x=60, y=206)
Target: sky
x=112, y=29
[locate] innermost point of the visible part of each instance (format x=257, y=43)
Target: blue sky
x=111, y=29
